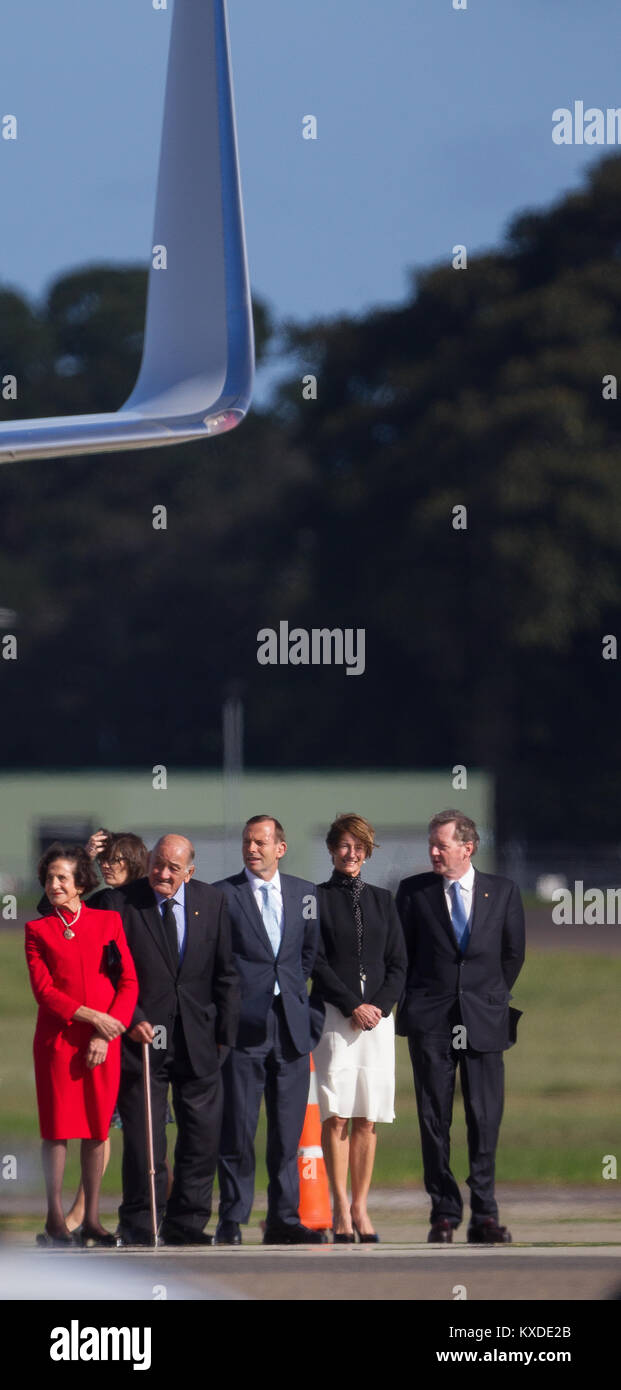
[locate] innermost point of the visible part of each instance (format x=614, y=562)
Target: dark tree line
x=483, y=643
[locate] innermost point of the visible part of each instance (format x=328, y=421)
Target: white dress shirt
x=466, y=885
x=257, y=885
x=178, y=914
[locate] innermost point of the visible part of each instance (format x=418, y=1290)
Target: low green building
x=37, y=808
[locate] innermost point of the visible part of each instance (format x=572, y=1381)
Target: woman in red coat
x=84, y=981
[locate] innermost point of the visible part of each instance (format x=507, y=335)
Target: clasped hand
x=107, y=1027
x=96, y=1052
x=366, y=1016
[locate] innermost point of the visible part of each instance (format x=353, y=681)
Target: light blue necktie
x=458, y=917
x=271, y=921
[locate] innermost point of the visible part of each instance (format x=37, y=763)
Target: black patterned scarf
x=354, y=888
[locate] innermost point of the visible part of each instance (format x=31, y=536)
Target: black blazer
x=480, y=980
x=336, y=975
x=258, y=967
x=204, y=989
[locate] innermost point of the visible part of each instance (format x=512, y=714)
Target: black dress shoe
x=341, y=1238
x=176, y=1235
x=284, y=1234
x=488, y=1233
x=125, y=1239
x=440, y=1233
x=228, y=1233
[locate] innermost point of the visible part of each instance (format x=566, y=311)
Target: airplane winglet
x=197, y=366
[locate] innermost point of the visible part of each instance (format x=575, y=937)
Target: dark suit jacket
x=259, y=969
x=336, y=975
x=204, y=990
x=439, y=976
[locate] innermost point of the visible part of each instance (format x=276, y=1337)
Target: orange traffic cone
x=315, y=1209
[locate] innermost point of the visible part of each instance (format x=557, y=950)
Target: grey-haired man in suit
x=464, y=933
x=275, y=934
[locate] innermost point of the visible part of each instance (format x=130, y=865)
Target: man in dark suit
x=179, y=934
x=275, y=935
x=464, y=933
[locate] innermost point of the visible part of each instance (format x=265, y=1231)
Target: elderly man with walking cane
x=179, y=934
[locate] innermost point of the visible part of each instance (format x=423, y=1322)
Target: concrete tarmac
x=314, y=1273
x=567, y=1247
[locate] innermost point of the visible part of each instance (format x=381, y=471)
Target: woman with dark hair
x=83, y=979
x=358, y=976
x=121, y=859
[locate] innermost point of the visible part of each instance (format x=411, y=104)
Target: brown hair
x=84, y=875
x=349, y=823
x=465, y=828
x=130, y=848
x=279, y=833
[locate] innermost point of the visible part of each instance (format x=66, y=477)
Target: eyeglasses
x=119, y=860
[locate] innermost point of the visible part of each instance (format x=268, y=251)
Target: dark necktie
x=170, y=930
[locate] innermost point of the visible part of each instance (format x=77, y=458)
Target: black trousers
x=275, y=1069
x=197, y=1102
x=434, y=1062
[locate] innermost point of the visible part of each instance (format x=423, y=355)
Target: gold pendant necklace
x=68, y=933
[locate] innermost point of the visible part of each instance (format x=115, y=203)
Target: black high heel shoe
x=87, y=1237
x=62, y=1240
x=343, y=1239
x=372, y=1239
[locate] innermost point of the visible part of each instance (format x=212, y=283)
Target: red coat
x=75, y=1101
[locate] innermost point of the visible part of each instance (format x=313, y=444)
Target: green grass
x=562, y=1081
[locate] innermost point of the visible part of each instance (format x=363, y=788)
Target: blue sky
x=434, y=127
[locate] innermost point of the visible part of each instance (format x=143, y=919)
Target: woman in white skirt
x=358, y=977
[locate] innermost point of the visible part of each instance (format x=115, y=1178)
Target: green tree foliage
x=485, y=390
x=483, y=645
x=129, y=636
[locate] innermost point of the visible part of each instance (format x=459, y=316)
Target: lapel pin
x=486, y=895
x=196, y=910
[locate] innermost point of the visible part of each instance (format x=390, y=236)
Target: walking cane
x=148, y=1120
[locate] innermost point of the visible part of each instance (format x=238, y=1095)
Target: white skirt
x=356, y=1069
